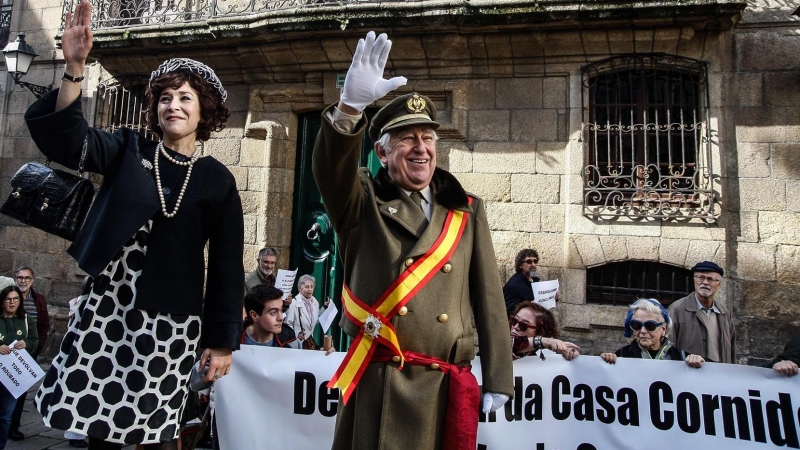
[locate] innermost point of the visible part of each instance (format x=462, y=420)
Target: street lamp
x=19, y=56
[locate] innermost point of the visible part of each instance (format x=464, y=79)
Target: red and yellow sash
x=376, y=320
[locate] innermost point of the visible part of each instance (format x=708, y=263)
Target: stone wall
x=511, y=110
x=762, y=110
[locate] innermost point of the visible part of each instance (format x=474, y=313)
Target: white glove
x=364, y=82
x=492, y=402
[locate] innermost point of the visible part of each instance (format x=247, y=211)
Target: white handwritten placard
x=19, y=371
x=544, y=293
x=285, y=280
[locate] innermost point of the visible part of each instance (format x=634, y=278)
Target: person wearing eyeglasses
x=35, y=306
x=534, y=328
x=264, y=274
x=703, y=326
x=17, y=326
x=648, y=322
x=518, y=288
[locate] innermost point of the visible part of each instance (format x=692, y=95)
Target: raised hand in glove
x=364, y=82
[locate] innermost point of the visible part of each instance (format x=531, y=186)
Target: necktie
x=416, y=197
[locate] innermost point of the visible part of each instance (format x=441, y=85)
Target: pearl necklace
x=190, y=164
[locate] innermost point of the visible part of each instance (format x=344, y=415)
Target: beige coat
x=379, y=230
x=689, y=334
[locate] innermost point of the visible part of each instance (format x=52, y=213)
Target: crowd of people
x=420, y=278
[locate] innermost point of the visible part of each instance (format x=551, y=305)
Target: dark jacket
x=380, y=231
x=42, y=321
x=15, y=329
x=791, y=352
x=518, y=289
x=634, y=350
x=256, y=278
x=282, y=339
x=173, y=276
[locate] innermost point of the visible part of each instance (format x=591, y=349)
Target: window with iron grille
x=122, y=103
x=646, y=139
x=621, y=283
x=5, y=21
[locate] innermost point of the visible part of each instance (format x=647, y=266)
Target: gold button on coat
x=396, y=359
x=435, y=366
x=409, y=261
x=447, y=268
x=442, y=318
x=403, y=311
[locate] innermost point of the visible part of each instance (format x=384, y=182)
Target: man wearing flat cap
x=702, y=326
x=420, y=274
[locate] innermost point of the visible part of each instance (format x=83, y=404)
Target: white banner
x=18, y=371
x=279, y=395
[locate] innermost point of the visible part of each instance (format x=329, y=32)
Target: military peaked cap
x=406, y=110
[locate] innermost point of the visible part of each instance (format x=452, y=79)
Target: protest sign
x=544, y=293
x=19, y=371
x=280, y=395
x=285, y=280
x=326, y=318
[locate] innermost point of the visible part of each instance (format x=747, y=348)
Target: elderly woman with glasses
x=648, y=322
x=533, y=328
x=19, y=328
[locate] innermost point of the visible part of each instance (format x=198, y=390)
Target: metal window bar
x=119, y=106
x=5, y=22
x=621, y=283
x=647, y=148
x=108, y=14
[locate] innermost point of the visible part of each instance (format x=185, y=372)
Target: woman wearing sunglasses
x=648, y=322
x=533, y=328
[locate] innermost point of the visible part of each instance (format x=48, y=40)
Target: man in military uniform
x=420, y=273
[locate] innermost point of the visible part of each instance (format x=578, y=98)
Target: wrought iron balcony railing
x=127, y=13
x=121, y=14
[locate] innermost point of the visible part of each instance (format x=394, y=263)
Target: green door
x=314, y=245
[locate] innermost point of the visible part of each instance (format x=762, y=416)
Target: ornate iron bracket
x=38, y=91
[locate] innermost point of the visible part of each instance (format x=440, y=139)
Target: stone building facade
x=514, y=82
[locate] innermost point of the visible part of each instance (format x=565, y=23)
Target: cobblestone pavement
x=37, y=435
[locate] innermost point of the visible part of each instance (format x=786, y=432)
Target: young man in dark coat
x=387, y=228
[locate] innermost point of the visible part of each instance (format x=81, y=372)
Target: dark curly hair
x=545, y=320
x=20, y=309
x=522, y=256
x=213, y=113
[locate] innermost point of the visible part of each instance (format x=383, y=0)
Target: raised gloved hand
x=364, y=82
x=492, y=402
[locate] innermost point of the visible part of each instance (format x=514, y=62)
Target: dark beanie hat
x=708, y=266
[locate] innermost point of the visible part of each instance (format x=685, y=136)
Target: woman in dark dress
x=122, y=371
x=648, y=322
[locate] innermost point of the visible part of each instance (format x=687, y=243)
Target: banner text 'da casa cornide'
x=584, y=404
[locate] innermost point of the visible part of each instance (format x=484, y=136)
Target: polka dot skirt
x=121, y=373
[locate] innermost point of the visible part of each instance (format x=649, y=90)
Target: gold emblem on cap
x=415, y=104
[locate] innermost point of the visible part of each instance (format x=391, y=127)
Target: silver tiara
x=171, y=65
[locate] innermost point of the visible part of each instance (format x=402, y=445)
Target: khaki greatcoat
x=379, y=230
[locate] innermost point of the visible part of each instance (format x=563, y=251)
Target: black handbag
x=50, y=199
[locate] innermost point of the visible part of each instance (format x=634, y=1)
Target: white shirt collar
x=426, y=192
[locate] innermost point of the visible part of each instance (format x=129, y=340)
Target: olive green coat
x=379, y=229
x=17, y=329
